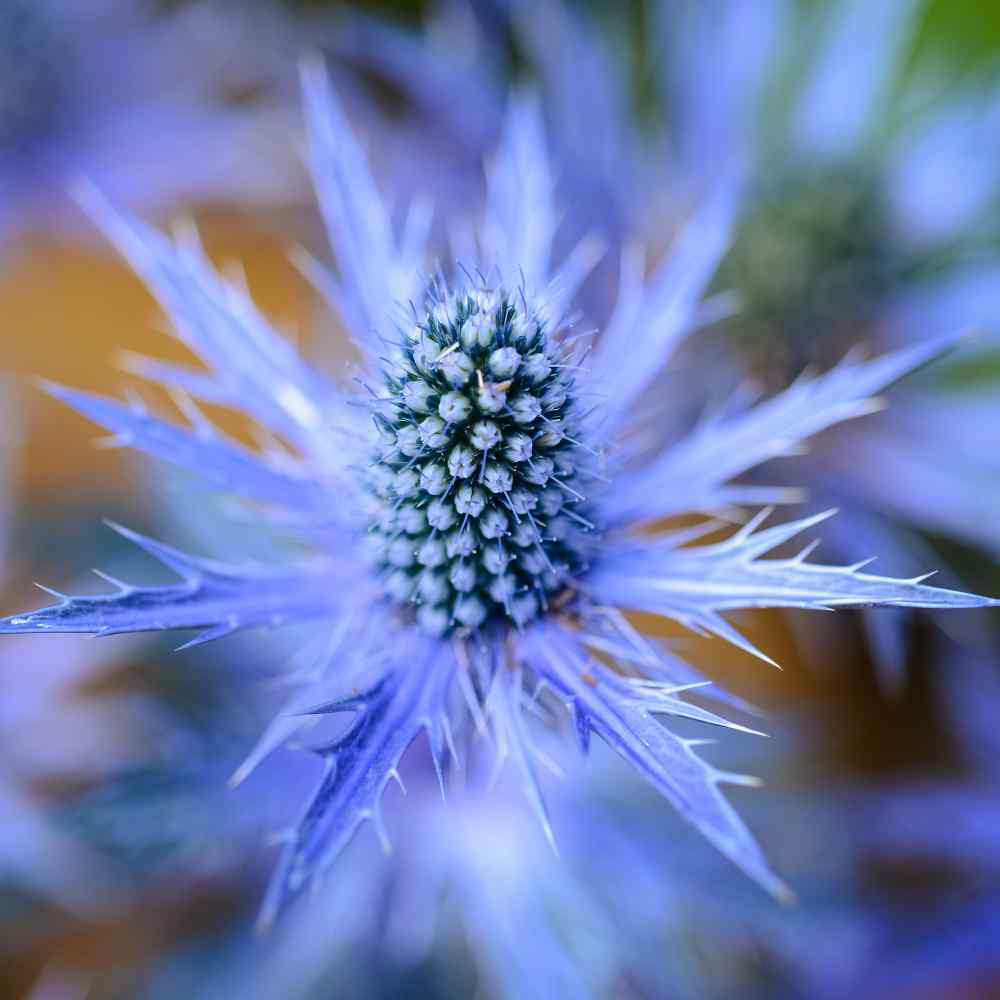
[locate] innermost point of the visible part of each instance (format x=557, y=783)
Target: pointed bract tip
x=784, y=893
x=313, y=70
x=238, y=777
x=87, y=195
x=120, y=529
x=54, y=389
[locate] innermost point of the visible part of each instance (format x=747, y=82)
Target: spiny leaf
x=375, y=269
x=520, y=217
x=608, y=630
x=650, y=318
x=221, y=462
x=359, y=765
x=691, y=475
x=252, y=366
x=210, y=595
x=667, y=761
x=693, y=585
x=505, y=709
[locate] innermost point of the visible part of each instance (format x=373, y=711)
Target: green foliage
x=965, y=32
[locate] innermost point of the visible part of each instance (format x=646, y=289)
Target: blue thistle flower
x=476, y=513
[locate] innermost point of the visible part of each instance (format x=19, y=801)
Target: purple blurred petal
x=864, y=46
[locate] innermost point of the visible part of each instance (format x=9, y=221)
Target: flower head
x=478, y=514
x=475, y=483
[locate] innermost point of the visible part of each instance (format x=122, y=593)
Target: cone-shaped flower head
x=476, y=502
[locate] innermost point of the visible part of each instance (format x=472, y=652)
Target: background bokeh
x=118, y=874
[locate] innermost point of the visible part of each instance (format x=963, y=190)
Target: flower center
x=477, y=509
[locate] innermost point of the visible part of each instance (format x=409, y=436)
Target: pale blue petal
x=516, y=236
x=863, y=49
x=252, y=367
x=506, y=711
x=693, y=585
x=198, y=385
x=520, y=219
x=650, y=318
x=204, y=452
x=359, y=765
x=691, y=475
x=315, y=671
x=608, y=631
x=210, y=595
x=377, y=274
x=667, y=761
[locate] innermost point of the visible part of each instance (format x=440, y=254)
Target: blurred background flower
x=158, y=106
x=867, y=133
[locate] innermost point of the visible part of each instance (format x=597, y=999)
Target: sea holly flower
x=472, y=514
